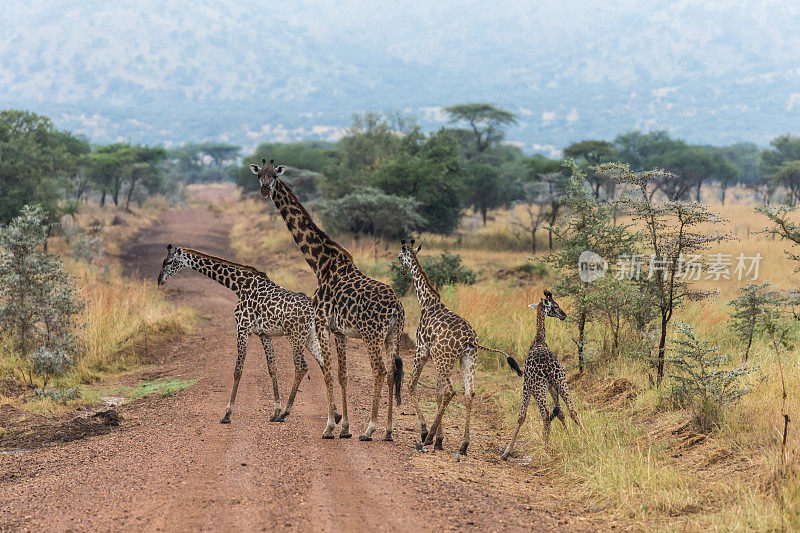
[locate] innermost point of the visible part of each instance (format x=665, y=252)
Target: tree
x=587, y=227
x=107, y=166
x=536, y=205
x=144, y=168
x=428, y=170
x=486, y=121
x=593, y=153
x=755, y=300
x=782, y=226
x=701, y=379
x=638, y=149
x=37, y=163
x=219, y=154
x=372, y=212
x=38, y=299
x=787, y=174
x=692, y=166
x=671, y=233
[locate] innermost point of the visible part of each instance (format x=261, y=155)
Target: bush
x=701, y=382
x=443, y=270
x=38, y=300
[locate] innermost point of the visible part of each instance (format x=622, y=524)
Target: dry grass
x=121, y=319
x=636, y=460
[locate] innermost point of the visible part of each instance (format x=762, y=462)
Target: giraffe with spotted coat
x=543, y=372
x=447, y=338
x=265, y=309
x=347, y=303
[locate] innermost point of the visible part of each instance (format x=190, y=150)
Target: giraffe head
x=268, y=175
x=405, y=256
x=549, y=306
x=175, y=261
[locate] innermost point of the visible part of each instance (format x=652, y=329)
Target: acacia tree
x=754, y=302
x=594, y=153
x=587, y=227
x=670, y=233
x=486, y=121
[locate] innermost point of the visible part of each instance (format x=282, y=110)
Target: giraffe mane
x=341, y=249
x=240, y=266
x=425, y=277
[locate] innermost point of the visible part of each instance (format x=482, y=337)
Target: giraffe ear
x=418, y=249
x=254, y=169
x=169, y=247
x=534, y=305
x=280, y=169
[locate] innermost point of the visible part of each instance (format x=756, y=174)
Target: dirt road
x=171, y=465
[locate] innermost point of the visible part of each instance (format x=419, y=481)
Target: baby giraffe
x=265, y=309
x=447, y=338
x=543, y=371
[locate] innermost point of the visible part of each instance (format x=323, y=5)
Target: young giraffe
x=543, y=371
x=447, y=338
x=347, y=303
x=264, y=309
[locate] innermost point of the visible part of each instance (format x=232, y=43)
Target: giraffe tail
x=398, y=378
x=513, y=364
x=556, y=412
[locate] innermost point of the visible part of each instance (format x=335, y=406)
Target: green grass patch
x=163, y=387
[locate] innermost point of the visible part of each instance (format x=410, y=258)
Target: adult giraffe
x=346, y=302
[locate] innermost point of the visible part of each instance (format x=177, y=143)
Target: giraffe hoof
x=428, y=441
x=418, y=447
x=364, y=438
x=459, y=457
x=281, y=417
x=388, y=437
x=504, y=457
x=345, y=435
x=327, y=436
x=438, y=444
x=273, y=418
x=337, y=417
x=225, y=420
x=463, y=449
x=422, y=434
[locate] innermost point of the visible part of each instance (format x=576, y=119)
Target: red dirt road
x=171, y=465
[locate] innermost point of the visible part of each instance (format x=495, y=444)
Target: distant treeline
x=385, y=176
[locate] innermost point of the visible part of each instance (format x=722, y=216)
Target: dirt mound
x=24, y=430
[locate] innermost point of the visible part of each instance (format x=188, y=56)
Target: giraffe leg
x=241, y=346
x=327, y=372
x=540, y=395
x=341, y=351
x=439, y=443
x=557, y=412
x=564, y=392
x=391, y=351
x=523, y=411
x=300, y=369
x=378, y=373
x=420, y=358
x=266, y=341
x=468, y=363
x=448, y=394
x=316, y=352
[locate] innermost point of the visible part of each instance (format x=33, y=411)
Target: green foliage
x=587, y=227
x=486, y=122
x=38, y=163
x=782, y=225
x=443, y=270
x=371, y=211
x=38, y=299
x=750, y=307
x=671, y=231
x=701, y=380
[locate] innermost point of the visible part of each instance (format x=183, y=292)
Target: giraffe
x=543, y=371
x=265, y=309
x=447, y=338
x=346, y=303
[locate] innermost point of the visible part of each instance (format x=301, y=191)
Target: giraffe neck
x=426, y=294
x=539, y=324
x=319, y=250
x=224, y=272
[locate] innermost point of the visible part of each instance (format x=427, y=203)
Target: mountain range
x=246, y=72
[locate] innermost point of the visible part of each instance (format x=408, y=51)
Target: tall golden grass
x=638, y=459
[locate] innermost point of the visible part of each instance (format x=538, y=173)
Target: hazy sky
x=567, y=68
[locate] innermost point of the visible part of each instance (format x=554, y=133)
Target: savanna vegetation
x=686, y=376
